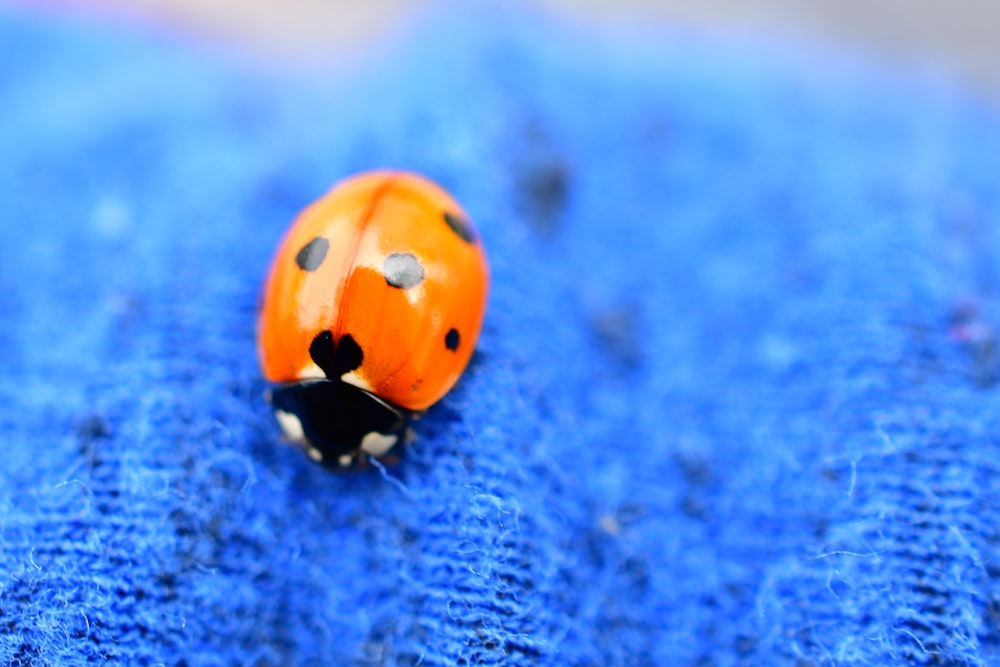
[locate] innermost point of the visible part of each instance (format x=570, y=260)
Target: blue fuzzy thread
x=728, y=406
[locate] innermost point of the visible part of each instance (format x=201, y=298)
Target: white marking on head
x=345, y=460
x=314, y=454
x=311, y=372
x=354, y=378
x=291, y=426
x=377, y=444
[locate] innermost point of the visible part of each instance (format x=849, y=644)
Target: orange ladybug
x=369, y=313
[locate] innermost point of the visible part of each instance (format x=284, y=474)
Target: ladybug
x=369, y=313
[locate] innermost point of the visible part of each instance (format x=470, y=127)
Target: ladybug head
x=337, y=423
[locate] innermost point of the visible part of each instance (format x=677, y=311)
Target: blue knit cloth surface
x=736, y=400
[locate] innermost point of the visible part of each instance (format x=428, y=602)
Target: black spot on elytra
x=335, y=359
x=461, y=226
x=452, y=339
x=322, y=352
x=349, y=354
x=402, y=270
x=310, y=257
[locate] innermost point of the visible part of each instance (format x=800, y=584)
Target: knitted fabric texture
x=735, y=401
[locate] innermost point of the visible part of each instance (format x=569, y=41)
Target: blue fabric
x=735, y=402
